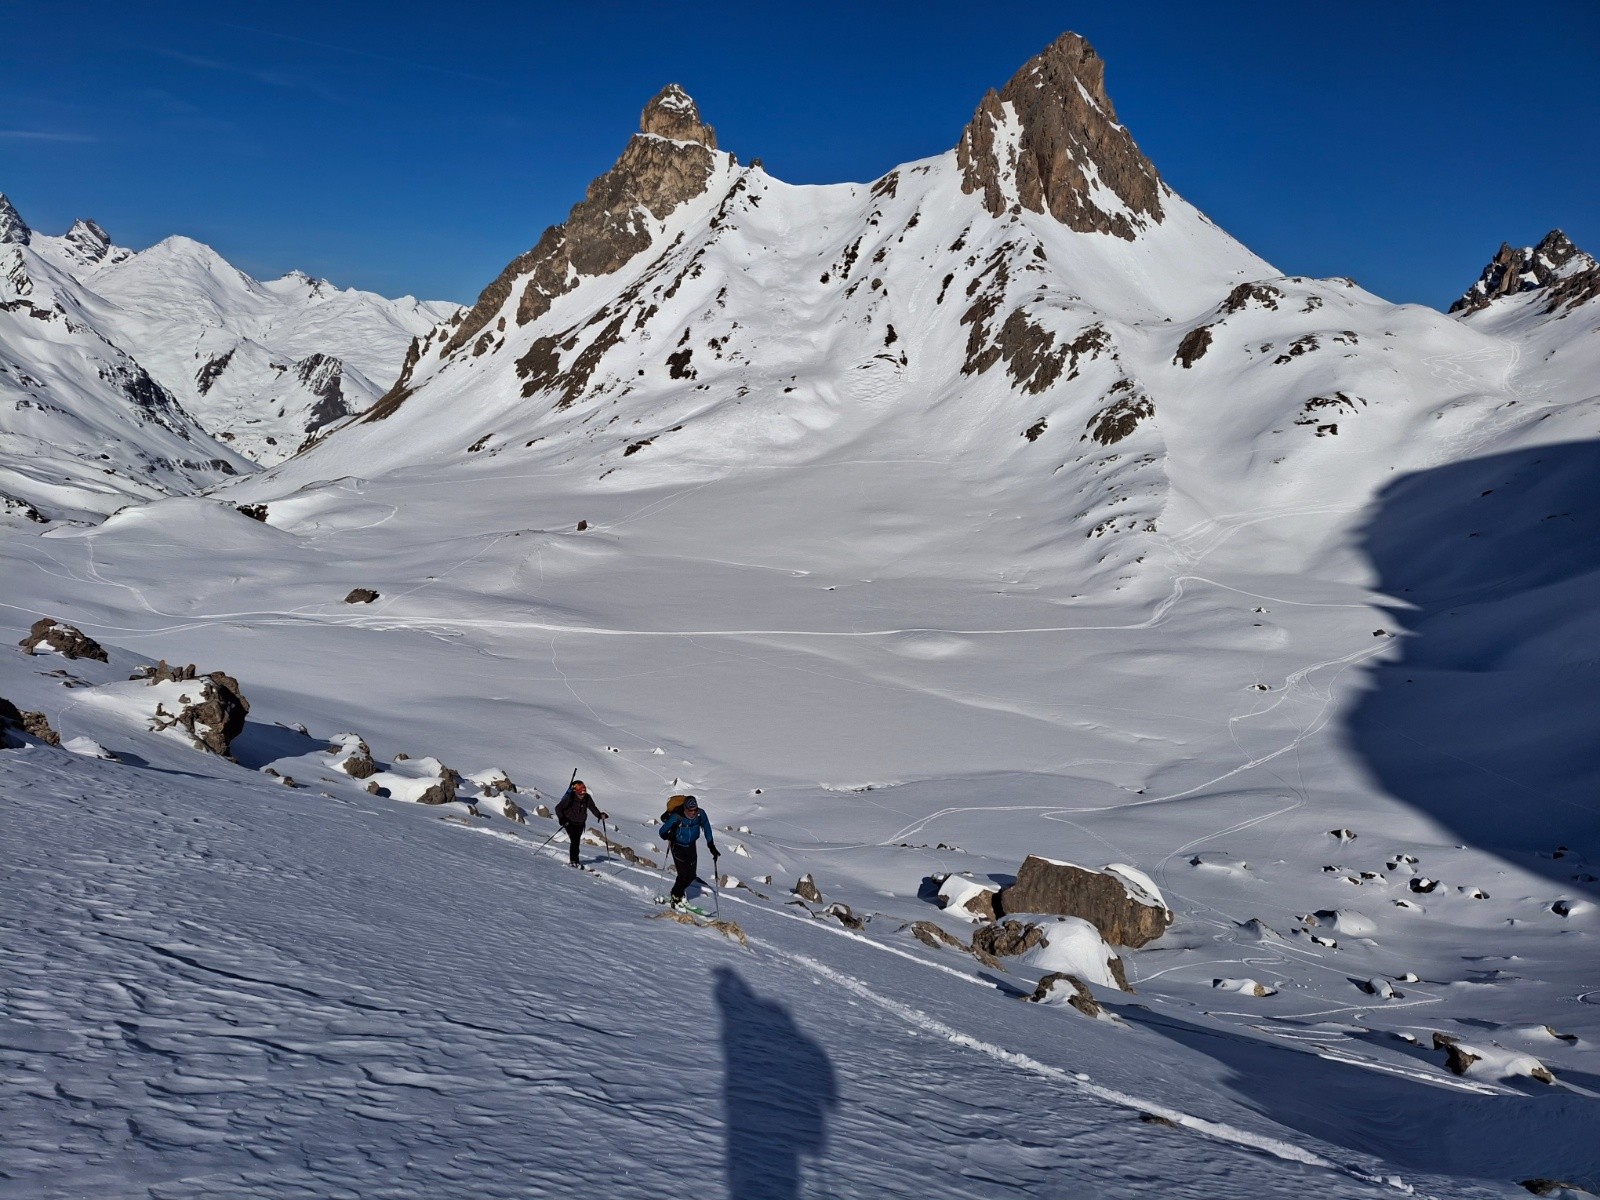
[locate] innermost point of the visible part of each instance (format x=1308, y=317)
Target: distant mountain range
x=127, y=376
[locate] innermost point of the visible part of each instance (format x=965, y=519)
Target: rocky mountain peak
x=672, y=114
x=669, y=162
x=88, y=241
x=13, y=229
x=1049, y=141
x=1568, y=274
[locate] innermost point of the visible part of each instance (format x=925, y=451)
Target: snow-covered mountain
x=260, y=366
x=1001, y=506
x=264, y=365
x=84, y=427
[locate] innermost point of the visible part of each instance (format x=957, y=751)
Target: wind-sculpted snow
x=307, y=995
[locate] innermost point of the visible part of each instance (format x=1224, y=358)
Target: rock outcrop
x=670, y=160
x=14, y=230
x=1049, y=142
x=1569, y=276
x=66, y=640
x=211, y=712
x=1118, y=901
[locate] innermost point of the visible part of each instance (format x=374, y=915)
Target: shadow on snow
x=1487, y=720
x=779, y=1090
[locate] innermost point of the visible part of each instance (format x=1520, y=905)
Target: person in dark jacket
x=573, y=813
x=682, y=829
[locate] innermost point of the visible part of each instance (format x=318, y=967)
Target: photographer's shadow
x=779, y=1091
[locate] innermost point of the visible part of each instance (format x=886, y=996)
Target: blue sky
x=411, y=147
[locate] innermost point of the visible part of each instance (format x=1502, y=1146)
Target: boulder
x=66, y=640
x=212, y=713
x=962, y=895
x=514, y=812
x=1005, y=939
x=806, y=889
x=355, y=756
x=441, y=792
x=361, y=596
x=1120, y=901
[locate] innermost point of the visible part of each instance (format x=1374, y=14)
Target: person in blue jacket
x=682, y=829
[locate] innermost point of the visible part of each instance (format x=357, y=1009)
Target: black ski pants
x=574, y=836
x=687, y=860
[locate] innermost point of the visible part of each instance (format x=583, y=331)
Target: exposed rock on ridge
x=1571, y=276
x=13, y=229
x=1049, y=141
x=668, y=162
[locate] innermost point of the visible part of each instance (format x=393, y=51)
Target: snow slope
x=1119, y=550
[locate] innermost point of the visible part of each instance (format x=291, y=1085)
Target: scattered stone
x=1081, y=999
x=361, y=596
x=582, y=526
x=1457, y=1058
x=728, y=929
x=542, y=810
x=66, y=640
x=1153, y=1119
x=374, y=788
x=512, y=811
x=806, y=889
x=1245, y=987
x=401, y=756
x=1120, y=901
x=1422, y=884
x=1344, y=835
x=256, y=512
x=1380, y=988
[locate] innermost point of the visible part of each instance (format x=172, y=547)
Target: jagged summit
x=13, y=229
x=1569, y=275
x=1049, y=141
x=672, y=114
x=86, y=244
x=670, y=160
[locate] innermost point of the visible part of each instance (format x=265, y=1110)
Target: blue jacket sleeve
x=705, y=825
